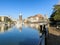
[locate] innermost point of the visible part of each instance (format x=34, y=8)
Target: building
x=5, y=19
x=25, y=20
x=35, y=19
x=20, y=18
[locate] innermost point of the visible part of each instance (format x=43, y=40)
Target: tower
x=20, y=18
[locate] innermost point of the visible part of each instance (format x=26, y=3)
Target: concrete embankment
x=54, y=36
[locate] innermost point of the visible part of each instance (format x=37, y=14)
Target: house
x=36, y=19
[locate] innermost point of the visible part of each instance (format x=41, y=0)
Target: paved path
x=54, y=36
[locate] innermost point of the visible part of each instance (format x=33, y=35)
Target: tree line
x=55, y=16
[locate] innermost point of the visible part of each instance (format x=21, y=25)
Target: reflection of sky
x=28, y=36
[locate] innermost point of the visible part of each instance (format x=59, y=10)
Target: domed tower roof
x=20, y=14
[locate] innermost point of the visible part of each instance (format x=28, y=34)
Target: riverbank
x=54, y=36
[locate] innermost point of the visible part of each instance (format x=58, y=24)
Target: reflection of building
x=34, y=26
x=19, y=26
x=4, y=27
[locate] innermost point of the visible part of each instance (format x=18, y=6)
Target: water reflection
x=31, y=25
x=5, y=27
x=34, y=26
x=38, y=28
x=19, y=26
x=30, y=34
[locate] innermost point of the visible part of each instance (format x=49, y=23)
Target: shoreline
x=54, y=36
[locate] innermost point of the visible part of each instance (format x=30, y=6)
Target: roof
x=37, y=15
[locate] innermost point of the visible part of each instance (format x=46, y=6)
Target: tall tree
x=56, y=13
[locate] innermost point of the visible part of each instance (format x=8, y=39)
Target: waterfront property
x=38, y=18
x=5, y=19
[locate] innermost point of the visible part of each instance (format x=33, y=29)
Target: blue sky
x=26, y=7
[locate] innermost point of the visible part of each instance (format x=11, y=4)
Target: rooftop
x=37, y=15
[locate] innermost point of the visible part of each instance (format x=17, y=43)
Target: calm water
x=19, y=35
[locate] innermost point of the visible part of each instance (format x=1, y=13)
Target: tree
x=55, y=16
x=56, y=13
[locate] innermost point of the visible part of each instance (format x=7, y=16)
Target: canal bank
x=54, y=36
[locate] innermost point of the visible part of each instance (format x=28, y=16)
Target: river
x=28, y=34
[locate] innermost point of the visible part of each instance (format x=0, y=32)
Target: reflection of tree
x=7, y=27
x=40, y=29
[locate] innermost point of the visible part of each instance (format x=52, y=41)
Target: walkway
x=54, y=36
